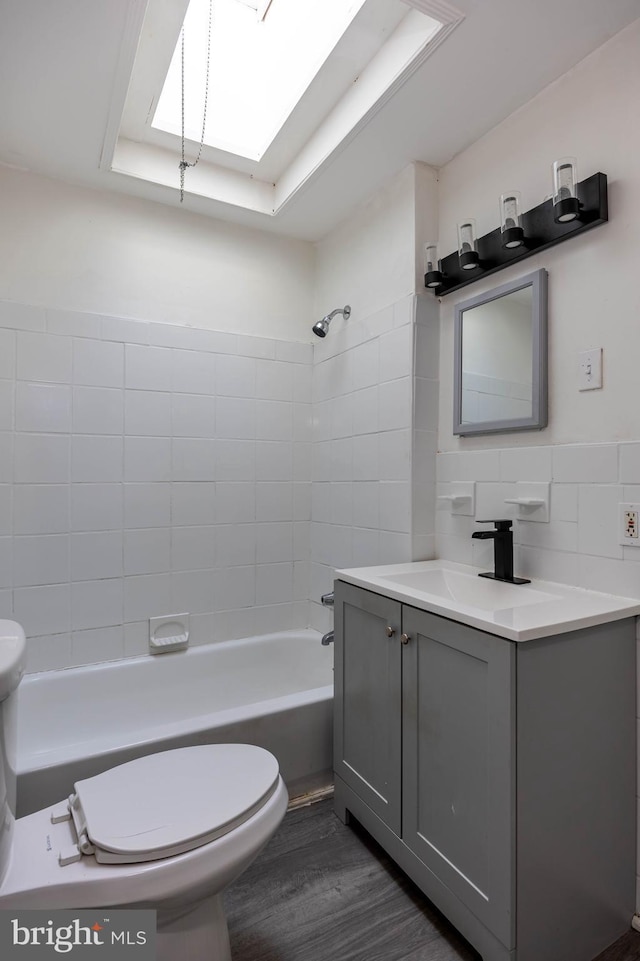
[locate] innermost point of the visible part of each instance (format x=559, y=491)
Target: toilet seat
x=165, y=804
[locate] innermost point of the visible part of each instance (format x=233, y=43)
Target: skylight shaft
x=260, y=67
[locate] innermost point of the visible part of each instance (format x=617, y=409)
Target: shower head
x=321, y=328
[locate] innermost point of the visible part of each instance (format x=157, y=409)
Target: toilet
x=167, y=831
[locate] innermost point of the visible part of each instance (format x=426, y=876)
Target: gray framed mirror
x=500, y=358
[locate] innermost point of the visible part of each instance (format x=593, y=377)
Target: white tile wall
x=147, y=469
x=580, y=544
x=98, y=363
x=368, y=461
x=44, y=357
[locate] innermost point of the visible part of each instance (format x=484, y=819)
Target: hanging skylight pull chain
x=185, y=163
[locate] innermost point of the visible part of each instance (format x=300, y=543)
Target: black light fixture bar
x=540, y=231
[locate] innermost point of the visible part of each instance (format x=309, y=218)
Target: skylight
x=292, y=83
x=263, y=58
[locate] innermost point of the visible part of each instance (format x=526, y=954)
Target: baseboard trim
x=311, y=797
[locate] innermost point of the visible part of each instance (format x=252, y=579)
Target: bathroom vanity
x=485, y=736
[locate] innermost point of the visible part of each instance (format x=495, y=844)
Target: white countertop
x=519, y=612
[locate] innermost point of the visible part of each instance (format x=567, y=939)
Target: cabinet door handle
x=390, y=631
x=405, y=638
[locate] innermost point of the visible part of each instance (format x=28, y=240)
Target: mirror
x=500, y=374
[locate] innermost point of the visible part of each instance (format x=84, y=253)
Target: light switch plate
x=590, y=369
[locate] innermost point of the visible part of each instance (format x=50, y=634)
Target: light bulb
x=512, y=234
x=432, y=272
x=566, y=206
x=468, y=245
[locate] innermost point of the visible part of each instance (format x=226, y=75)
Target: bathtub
x=274, y=690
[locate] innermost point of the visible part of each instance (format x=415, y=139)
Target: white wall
x=362, y=447
x=106, y=438
x=116, y=282
x=594, y=296
x=590, y=451
x=594, y=300
x=73, y=248
x=366, y=452
x=154, y=422
x=368, y=262
x=145, y=470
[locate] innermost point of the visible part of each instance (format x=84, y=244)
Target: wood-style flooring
x=321, y=891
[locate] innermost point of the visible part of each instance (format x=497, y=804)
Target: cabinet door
x=368, y=713
x=459, y=777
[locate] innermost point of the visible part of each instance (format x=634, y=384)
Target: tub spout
x=327, y=639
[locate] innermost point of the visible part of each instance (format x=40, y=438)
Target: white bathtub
x=275, y=691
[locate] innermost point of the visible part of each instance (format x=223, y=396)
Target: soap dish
x=169, y=633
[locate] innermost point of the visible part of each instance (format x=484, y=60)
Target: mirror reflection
x=497, y=359
x=500, y=370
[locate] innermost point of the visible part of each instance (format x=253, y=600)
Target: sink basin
x=470, y=590
x=519, y=612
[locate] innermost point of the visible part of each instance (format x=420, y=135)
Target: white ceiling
x=62, y=63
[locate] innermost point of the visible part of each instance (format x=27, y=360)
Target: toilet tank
x=12, y=663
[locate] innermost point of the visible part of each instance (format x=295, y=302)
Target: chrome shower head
x=321, y=328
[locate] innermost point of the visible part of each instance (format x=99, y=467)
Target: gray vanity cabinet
x=369, y=686
x=499, y=775
x=457, y=761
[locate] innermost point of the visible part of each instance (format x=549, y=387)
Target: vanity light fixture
x=566, y=206
x=468, y=245
x=581, y=205
x=511, y=220
x=432, y=273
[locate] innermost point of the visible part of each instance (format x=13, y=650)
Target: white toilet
x=168, y=831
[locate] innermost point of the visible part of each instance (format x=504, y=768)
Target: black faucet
x=502, y=538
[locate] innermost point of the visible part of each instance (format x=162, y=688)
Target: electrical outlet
x=628, y=524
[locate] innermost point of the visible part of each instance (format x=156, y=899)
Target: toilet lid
x=165, y=804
